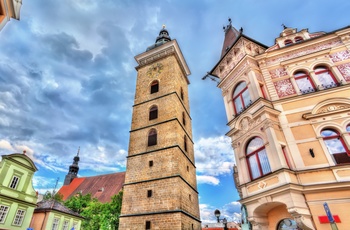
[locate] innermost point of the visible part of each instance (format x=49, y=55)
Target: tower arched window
x=325, y=77
x=154, y=86
x=304, y=82
x=241, y=97
x=288, y=42
x=336, y=146
x=298, y=39
x=153, y=112
x=257, y=160
x=152, y=137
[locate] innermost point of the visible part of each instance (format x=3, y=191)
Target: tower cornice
x=167, y=49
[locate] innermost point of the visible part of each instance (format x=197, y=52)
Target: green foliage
x=57, y=196
x=104, y=216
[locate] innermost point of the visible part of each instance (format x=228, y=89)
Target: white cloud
x=6, y=145
x=207, y=180
x=230, y=211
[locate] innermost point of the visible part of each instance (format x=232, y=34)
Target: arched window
x=298, y=39
x=325, y=77
x=348, y=128
x=257, y=158
x=304, y=82
x=287, y=224
x=241, y=98
x=153, y=112
x=152, y=137
x=154, y=86
x=288, y=42
x=336, y=146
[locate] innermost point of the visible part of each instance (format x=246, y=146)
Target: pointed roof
x=102, y=187
x=231, y=35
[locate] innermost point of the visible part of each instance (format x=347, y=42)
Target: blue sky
x=68, y=79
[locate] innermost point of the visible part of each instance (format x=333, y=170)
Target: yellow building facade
x=288, y=109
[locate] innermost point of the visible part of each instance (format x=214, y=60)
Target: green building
x=17, y=195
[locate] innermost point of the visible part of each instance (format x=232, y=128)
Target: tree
x=104, y=216
x=55, y=196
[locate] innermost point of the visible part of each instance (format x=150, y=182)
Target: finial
x=230, y=21
x=284, y=26
x=163, y=26
x=78, y=151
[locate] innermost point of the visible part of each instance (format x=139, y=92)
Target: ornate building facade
x=160, y=190
x=288, y=110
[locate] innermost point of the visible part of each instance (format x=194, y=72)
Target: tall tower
x=160, y=190
x=73, y=170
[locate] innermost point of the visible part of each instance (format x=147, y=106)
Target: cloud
x=231, y=211
x=201, y=179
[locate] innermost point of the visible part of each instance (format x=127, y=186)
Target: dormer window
x=298, y=39
x=288, y=42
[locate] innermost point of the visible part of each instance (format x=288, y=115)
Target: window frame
x=152, y=137
x=153, y=113
x=298, y=39
x=55, y=223
x=288, y=42
x=239, y=96
x=65, y=225
x=337, y=138
x=301, y=74
x=326, y=69
x=255, y=154
x=19, y=217
x=4, y=210
x=154, y=87
x=14, y=182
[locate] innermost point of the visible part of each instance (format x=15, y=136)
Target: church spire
x=73, y=169
x=162, y=38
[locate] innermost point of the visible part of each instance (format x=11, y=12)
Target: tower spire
x=73, y=169
x=162, y=38
x=231, y=35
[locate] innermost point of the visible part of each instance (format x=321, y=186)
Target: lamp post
x=224, y=221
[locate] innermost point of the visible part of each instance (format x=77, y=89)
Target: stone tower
x=160, y=190
x=73, y=170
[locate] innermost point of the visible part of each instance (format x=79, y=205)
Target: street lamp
x=224, y=221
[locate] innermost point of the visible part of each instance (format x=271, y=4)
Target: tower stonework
x=160, y=190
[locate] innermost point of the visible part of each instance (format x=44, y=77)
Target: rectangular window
x=3, y=213
x=19, y=217
x=150, y=163
x=148, y=225
x=65, y=225
x=55, y=224
x=14, y=182
x=149, y=193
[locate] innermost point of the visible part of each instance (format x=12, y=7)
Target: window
x=185, y=143
x=241, y=98
x=298, y=39
x=152, y=137
x=153, y=112
x=256, y=155
x=348, y=128
x=182, y=94
x=14, y=182
x=19, y=217
x=55, y=223
x=3, y=213
x=288, y=42
x=65, y=225
x=154, y=87
x=287, y=224
x=325, y=77
x=148, y=225
x=304, y=82
x=183, y=118
x=149, y=193
x=336, y=146
x=75, y=225
x=150, y=163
